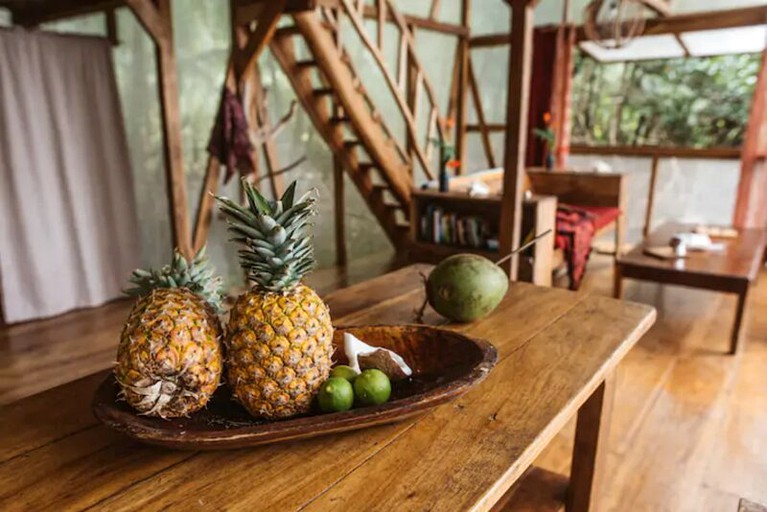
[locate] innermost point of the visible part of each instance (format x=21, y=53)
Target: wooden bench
x=595, y=192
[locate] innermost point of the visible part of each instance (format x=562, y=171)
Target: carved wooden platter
x=445, y=365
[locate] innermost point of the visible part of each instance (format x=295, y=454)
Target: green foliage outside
x=695, y=102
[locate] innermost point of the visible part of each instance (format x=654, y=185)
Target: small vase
x=549, y=161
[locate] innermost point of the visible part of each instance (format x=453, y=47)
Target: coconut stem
x=523, y=247
x=420, y=311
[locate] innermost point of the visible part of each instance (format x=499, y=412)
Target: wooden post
x=244, y=59
x=562, y=91
x=263, y=121
x=205, y=203
x=589, y=453
x=411, y=74
x=111, y=25
x=338, y=193
x=750, y=209
x=520, y=69
x=157, y=21
x=381, y=6
x=463, y=85
x=650, y=197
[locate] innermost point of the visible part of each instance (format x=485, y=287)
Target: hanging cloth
x=229, y=141
x=575, y=231
x=68, y=231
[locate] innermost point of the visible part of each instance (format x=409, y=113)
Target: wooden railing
x=411, y=80
x=331, y=16
x=656, y=154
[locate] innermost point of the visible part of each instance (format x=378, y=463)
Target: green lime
x=372, y=387
x=336, y=395
x=344, y=372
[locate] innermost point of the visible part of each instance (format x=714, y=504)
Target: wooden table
x=731, y=271
x=557, y=353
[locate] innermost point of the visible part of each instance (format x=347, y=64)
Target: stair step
x=325, y=91
x=311, y=63
x=287, y=31
x=351, y=144
x=377, y=194
x=366, y=167
x=339, y=119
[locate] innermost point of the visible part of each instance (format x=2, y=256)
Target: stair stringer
x=384, y=156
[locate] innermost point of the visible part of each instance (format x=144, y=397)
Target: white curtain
x=68, y=234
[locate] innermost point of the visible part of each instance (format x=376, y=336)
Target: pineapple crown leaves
x=276, y=250
x=198, y=276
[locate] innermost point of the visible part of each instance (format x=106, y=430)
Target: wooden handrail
x=370, y=12
x=659, y=151
x=481, y=121
x=331, y=18
x=401, y=23
x=393, y=83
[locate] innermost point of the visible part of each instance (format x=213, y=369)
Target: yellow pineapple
x=279, y=342
x=169, y=359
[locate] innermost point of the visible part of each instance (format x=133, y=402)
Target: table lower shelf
x=537, y=490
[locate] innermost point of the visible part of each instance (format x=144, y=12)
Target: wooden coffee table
x=730, y=271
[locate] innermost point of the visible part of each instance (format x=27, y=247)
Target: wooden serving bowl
x=445, y=365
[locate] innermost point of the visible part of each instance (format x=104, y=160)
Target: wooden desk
x=557, y=353
x=730, y=271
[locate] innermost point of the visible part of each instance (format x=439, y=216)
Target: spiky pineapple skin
x=279, y=350
x=171, y=341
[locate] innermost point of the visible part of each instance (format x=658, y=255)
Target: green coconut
x=466, y=287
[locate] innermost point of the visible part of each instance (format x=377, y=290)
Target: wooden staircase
x=331, y=92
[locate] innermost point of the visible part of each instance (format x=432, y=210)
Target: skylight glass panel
x=644, y=48
x=726, y=41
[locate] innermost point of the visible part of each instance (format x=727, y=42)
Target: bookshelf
x=538, y=215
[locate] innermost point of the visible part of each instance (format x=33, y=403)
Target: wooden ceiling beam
x=661, y=7
x=291, y=6
x=371, y=12
x=149, y=16
x=709, y=20
x=245, y=58
x=35, y=13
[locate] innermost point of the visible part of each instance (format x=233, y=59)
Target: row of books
x=451, y=228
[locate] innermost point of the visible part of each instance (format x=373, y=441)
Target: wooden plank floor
x=689, y=421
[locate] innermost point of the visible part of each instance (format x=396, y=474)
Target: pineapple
x=279, y=343
x=169, y=360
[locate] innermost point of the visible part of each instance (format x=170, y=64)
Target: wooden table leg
x=589, y=452
x=736, y=328
x=617, y=281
